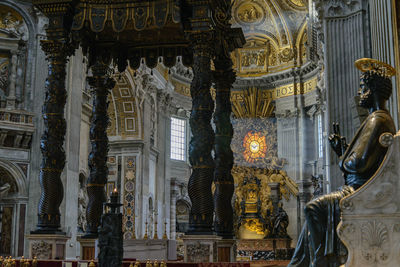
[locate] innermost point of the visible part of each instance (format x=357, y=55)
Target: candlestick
x=155, y=230
x=145, y=233
x=165, y=231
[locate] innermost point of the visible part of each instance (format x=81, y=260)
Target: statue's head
x=375, y=82
x=373, y=85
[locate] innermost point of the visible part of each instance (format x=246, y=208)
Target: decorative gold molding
x=181, y=88
x=282, y=91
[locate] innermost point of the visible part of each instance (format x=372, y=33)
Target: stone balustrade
x=16, y=128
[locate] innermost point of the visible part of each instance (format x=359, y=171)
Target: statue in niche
x=82, y=203
x=318, y=243
x=4, y=76
x=281, y=222
x=317, y=182
x=4, y=189
x=249, y=14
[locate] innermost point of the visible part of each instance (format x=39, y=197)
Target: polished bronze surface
x=318, y=243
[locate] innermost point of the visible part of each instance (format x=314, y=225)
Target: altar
x=153, y=249
x=264, y=249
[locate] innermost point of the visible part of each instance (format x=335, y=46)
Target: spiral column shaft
x=224, y=77
x=201, y=144
x=52, y=140
x=100, y=83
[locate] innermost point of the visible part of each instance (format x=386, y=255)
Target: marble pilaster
x=174, y=192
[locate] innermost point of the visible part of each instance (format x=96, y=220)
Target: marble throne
x=370, y=224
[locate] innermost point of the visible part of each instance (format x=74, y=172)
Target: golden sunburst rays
x=252, y=105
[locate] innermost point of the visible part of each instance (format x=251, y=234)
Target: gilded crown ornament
x=369, y=64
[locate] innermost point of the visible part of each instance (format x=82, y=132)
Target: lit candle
x=114, y=196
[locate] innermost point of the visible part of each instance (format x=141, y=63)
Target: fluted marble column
x=224, y=77
x=201, y=144
x=382, y=42
x=52, y=140
x=346, y=39
x=100, y=83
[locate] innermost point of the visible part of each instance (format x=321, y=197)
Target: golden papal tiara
x=369, y=64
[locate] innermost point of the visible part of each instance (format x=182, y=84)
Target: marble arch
x=18, y=175
x=124, y=109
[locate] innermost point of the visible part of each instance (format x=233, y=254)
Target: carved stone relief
x=249, y=12
x=41, y=249
x=12, y=23
x=197, y=252
x=333, y=8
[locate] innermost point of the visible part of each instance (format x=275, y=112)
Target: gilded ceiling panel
x=273, y=31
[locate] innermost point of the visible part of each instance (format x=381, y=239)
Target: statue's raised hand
x=338, y=142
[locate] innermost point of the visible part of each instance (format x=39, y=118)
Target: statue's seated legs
x=315, y=214
x=319, y=237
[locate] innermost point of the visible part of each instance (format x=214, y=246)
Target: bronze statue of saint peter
x=319, y=245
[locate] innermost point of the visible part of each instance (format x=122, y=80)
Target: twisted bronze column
x=201, y=144
x=51, y=143
x=224, y=77
x=100, y=83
